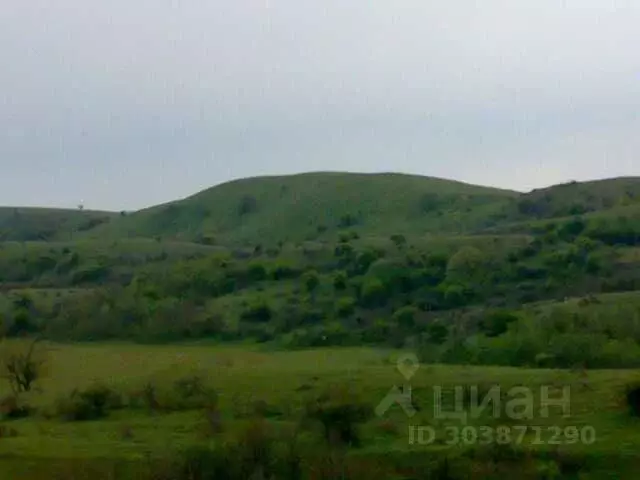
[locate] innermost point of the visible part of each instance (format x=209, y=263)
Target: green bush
x=258, y=311
x=192, y=393
x=496, y=323
x=340, y=281
x=632, y=399
x=339, y=411
x=373, y=293
x=12, y=407
x=257, y=451
x=311, y=280
x=93, y=403
x=405, y=317
x=345, y=307
x=437, y=332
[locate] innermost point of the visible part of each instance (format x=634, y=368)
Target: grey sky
x=128, y=103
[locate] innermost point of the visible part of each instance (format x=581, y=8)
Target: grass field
x=244, y=375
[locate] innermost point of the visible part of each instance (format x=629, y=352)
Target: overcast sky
x=122, y=104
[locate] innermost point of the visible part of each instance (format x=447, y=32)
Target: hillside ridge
x=314, y=205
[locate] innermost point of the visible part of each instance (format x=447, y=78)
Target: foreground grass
x=284, y=381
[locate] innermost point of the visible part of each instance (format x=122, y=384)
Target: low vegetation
x=251, y=331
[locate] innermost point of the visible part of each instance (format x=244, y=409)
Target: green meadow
x=252, y=383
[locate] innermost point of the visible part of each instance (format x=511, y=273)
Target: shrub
x=347, y=220
x=284, y=271
x=213, y=419
x=186, y=393
x=345, y=307
x=437, y=333
x=95, y=273
x=496, y=323
x=339, y=411
x=259, y=311
x=363, y=261
x=373, y=293
x=147, y=397
x=255, y=453
x=90, y=404
x=22, y=364
x=399, y=240
x=12, y=408
x=405, y=317
x=256, y=272
x=340, y=281
x=262, y=409
x=191, y=392
x=311, y=280
x=632, y=397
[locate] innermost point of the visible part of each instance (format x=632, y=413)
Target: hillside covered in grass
x=579, y=198
x=310, y=206
x=255, y=326
x=319, y=206
x=33, y=224
x=343, y=259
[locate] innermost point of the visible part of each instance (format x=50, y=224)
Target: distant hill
x=578, y=198
x=306, y=206
x=316, y=206
x=32, y=224
x=317, y=259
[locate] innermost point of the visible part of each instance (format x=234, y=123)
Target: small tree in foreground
x=22, y=364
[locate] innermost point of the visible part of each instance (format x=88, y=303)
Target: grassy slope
x=23, y=224
x=579, y=197
x=17, y=259
x=389, y=203
x=295, y=206
x=244, y=375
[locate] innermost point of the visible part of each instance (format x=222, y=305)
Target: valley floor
x=276, y=386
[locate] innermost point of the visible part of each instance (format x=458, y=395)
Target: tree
x=437, y=333
x=311, y=280
x=363, y=261
x=406, y=316
x=467, y=265
x=571, y=229
x=258, y=311
x=399, y=240
x=345, y=307
x=455, y=295
x=496, y=323
x=373, y=293
x=340, y=281
x=22, y=363
x=347, y=220
x=339, y=411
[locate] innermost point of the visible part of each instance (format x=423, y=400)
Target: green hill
x=32, y=224
x=317, y=206
x=577, y=198
x=548, y=281
x=306, y=206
